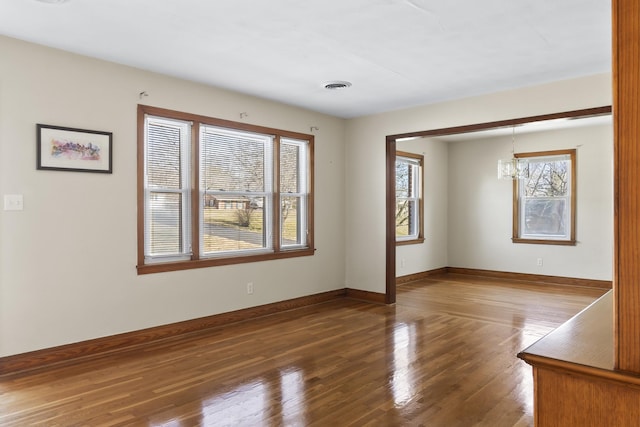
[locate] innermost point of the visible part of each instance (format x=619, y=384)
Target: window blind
x=167, y=216
x=236, y=184
x=293, y=192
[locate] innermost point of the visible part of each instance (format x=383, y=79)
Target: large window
x=215, y=192
x=409, y=200
x=545, y=202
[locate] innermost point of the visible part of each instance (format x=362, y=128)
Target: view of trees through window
x=253, y=190
x=545, y=197
x=408, y=196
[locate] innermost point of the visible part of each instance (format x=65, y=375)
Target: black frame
x=107, y=140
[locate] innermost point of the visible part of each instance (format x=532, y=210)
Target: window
x=214, y=192
x=409, y=203
x=545, y=202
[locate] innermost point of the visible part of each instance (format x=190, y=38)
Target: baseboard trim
x=554, y=280
x=101, y=346
x=367, y=296
x=419, y=276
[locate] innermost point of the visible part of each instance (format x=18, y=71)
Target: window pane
x=167, y=204
x=164, y=224
x=545, y=217
x=163, y=155
x=545, y=198
x=291, y=220
x=293, y=192
x=549, y=178
x=233, y=223
x=406, y=224
x=408, y=194
x=289, y=165
x=403, y=179
x=233, y=161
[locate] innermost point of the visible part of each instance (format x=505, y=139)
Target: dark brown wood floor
x=444, y=355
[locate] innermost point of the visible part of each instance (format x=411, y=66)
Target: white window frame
x=519, y=200
x=267, y=194
x=302, y=195
x=415, y=162
x=184, y=191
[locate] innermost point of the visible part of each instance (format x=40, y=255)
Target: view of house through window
x=409, y=228
x=252, y=188
x=545, y=201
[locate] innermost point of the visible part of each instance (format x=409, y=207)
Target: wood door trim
x=390, y=252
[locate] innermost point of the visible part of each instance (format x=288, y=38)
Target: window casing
x=544, y=204
x=409, y=198
x=215, y=192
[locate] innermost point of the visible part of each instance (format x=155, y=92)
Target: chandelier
x=513, y=168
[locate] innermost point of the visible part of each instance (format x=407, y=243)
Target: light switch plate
x=13, y=202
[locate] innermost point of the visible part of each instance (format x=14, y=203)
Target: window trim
x=572, y=217
x=420, y=238
x=196, y=261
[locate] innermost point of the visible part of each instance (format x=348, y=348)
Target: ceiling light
x=336, y=84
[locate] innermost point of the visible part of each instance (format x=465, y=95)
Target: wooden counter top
x=585, y=339
x=584, y=344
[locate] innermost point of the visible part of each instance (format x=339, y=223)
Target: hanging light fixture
x=513, y=168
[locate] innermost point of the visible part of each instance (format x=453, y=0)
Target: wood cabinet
x=575, y=379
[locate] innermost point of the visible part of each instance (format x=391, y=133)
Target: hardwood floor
x=443, y=355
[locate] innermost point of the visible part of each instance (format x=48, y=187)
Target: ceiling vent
x=335, y=85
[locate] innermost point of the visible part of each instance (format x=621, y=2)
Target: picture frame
x=77, y=150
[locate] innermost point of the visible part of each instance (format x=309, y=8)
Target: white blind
x=167, y=189
x=236, y=186
x=294, y=190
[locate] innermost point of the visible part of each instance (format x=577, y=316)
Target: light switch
x=13, y=202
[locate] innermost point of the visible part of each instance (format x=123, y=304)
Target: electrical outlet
x=539, y=262
x=402, y=263
x=250, y=288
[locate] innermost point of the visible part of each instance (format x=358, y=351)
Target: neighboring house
x=226, y=202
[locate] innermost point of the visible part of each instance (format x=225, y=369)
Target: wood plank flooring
x=444, y=355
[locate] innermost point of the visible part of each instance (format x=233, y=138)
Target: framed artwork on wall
x=77, y=150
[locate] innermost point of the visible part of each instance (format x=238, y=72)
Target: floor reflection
x=254, y=403
x=403, y=385
x=293, y=397
x=244, y=405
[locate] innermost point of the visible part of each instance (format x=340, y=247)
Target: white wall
x=68, y=260
x=480, y=206
x=365, y=151
x=432, y=253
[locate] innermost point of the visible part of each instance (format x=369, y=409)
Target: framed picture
x=79, y=150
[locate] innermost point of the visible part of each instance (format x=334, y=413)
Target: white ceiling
x=397, y=53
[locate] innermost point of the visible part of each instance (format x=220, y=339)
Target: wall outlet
x=539, y=262
x=402, y=263
x=250, y=288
